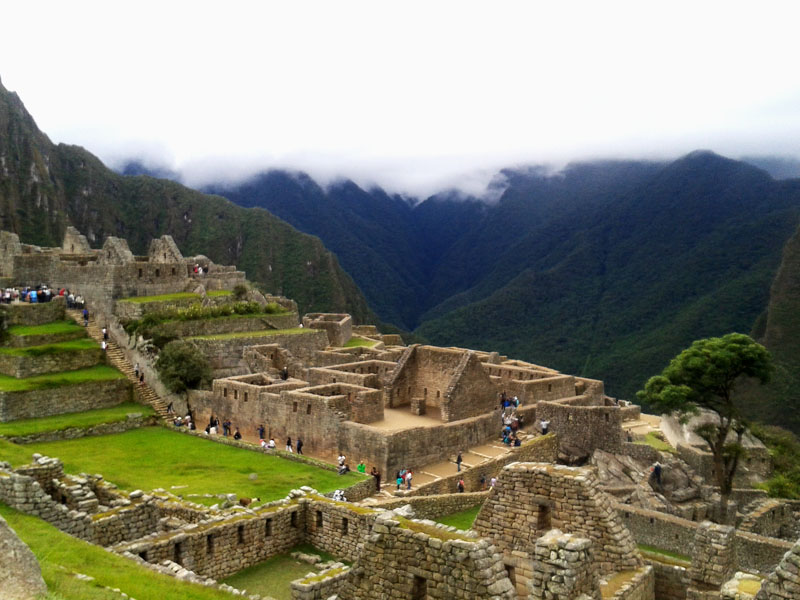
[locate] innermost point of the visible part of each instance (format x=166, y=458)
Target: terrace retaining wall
x=77, y=397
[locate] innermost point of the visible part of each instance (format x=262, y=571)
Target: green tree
x=181, y=366
x=705, y=376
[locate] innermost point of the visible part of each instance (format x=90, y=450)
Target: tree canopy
x=181, y=365
x=705, y=376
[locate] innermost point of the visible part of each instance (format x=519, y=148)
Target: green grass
x=15, y=454
x=273, y=576
x=218, y=293
x=60, y=555
x=97, y=373
x=155, y=457
x=247, y=334
x=355, y=342
x=461, y=520
x=81, y=419
x=47, y=328
x=57, y=348
x=161, y=298
x=652, y=440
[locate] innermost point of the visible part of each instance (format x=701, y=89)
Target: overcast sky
x=414, y=96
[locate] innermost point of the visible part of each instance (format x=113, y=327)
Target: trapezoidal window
x=140, y=272
x=319, y=518
x=419, y=589
x=158, y=272
x=235, y=394
x=293, y=521
x=224, y=392
x=173, y=270
x=308, y=409
x=245, y=396
x=210, y=545
x=345, y=526
x=268, y=528
x=294, y=409
x=543, y=518
x=240, y=534
x=177, y=554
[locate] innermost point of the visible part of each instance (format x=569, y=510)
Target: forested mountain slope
x=45, y=187
x=606, y=270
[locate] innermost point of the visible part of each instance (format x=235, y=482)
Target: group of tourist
x=404, y=477
x=39, y=294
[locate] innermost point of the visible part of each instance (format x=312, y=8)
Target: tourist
x=170, y=409
x=377, y=475
x=544, y=425
x=271, y=444
x=483, y=482
x=136, y=370
x=361, y=468
x=344, y=469
x=237, y=435
x=285, y=373
x=341, y=460
x=409, y=475
x=104, y=345
x=460, y=485
x=289, y=445
x=657, y=473
x=399, y=481
x=299, y=446
x=517, y=441
x=85, y=317
x=263, y=443
x=493, y=482
x=105, y=333
x=261, y=431
x=226, y=427
x=458, y=462
x=141, y=378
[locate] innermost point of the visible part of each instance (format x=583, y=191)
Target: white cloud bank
x=413, y=96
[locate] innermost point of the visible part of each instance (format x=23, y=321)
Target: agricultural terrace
x=187, y=465
x=52, y=380
x=81, y=420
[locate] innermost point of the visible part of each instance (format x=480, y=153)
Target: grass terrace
x=355, y=342
x=57, y=348
x=61, y=556
x=46, y=329
x=40, y=382
x=273, y=576
x=461, y=520
x=195, y=466
x=219, y=293
x=162, y=298
x=247, y=334
x=653, y=440
x=88, y=418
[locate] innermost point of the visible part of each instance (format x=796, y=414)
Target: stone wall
x=583, y=426
x=133, y=421
x=413, y=448
x=438, y=505
x=338, y=327
x=336, y=527
x=126, y=309
x=404, y=560
x=671, y=580
x=538, y=449
x=226, y=355
x=65, y=399
x=25, y=341
x=323, y=586
x=22, y=313
x=530, y=499
x=563, y=568
x=784, y=582
x=220, y=547
x=42, y=364
x=754, y=467
x=230, y=324
x=447, y=382
x=771, y=518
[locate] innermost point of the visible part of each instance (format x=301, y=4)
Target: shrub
x=240, y=291
x=181, y=366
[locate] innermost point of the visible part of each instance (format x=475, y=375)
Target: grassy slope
x=47, y=328
x=161, y=298
x=60, y=347
x=173, y=458
x=98, y=373
x=60, y=555
x=461, y=520
x=81, y=419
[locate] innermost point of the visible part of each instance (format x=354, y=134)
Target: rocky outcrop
x=20, y=575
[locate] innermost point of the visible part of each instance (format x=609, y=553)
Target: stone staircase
x=116, y=358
